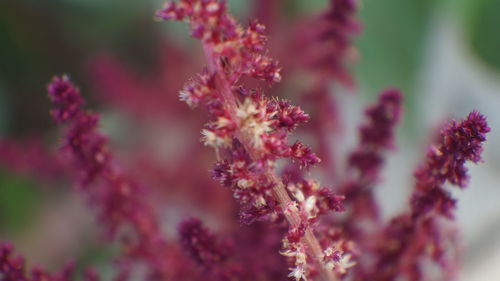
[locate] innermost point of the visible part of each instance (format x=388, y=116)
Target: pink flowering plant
x=292, y=226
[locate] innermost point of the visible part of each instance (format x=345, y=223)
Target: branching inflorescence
x=422, y=235
x=263, y=169
x=411, y=241
x=252, y=132
x=376, y=136
x=121, y=202
x=326, y=49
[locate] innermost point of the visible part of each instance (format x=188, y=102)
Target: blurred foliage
x=19, y=201
x=4, y=110
x=482, y=23
x=97, y=254
x=391, y=45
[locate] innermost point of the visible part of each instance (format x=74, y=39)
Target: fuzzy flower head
x=253, y=121
x=66, y=98
x=200, y=243
x=239, y=50
x=457, y=143
x=418, y=236
x=382, y=118
x=253, y=130
x=326, y=42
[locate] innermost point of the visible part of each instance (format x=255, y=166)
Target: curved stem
x=279, y=190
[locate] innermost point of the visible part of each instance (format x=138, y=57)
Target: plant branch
x=279, y=190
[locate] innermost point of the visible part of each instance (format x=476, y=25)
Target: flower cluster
x=200, y=243
x=283, y=223
x=325, y=47
x=30, y=158
x=206, y=250
x=121, y=202
x=14, y=268
x=422, y=234
x=328, y=46
x=376, y=136
x=238, y=50
x=252, y=129
x=458, y=143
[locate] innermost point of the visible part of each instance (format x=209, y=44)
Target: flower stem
x=279, y=190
